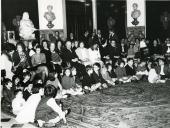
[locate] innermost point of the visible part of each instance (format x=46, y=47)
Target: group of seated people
x=34, y=77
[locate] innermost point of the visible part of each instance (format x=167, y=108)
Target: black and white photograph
x=85, y=64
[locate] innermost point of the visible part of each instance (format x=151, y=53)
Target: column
x=64, y=18
x=94, y=11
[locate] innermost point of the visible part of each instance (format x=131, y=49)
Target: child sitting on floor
x=87, y=82
x=53, y=80
x=8, y=95
x=18, y=102
x=121, y=73
x=111, y=72
x=97, y=76
x=27, y=114
x=106, y=76
x=48, y=111
x=153, y=77
x=69, y=85
x=131, y=69
x=142, y=72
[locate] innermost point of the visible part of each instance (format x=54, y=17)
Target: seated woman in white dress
x=83, y=54
x=94, y=54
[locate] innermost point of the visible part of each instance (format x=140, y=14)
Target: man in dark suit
x=71, y=59
x=85, y=39
x=113, y=51
x=113, y=36
x=162, y=69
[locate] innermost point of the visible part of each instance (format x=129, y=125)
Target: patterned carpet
x=138, y=105
x=133, y=105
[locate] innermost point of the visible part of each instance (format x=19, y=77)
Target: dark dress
x=48, y=57
x=45, y=112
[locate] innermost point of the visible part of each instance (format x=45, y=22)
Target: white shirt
x=94, y=55
x=168, y=51
x=82, y=53
x=143, y=44
x=162, y=70
x=123, y=50
x=152, y=76
x=17, y=105
x=28, y=112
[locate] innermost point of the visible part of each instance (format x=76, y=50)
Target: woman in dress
x=83, y=54
x=94, y=54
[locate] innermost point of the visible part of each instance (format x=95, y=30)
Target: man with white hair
x=71, y=59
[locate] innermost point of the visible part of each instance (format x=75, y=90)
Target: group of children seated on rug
x=23, y=96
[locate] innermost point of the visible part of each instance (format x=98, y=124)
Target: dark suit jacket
x=130, y=71
x=98, y=78
x=125, y=49
x=113, y=51
x=166, y=70
x=87, y=80
x=68, y=55
x=113, y=37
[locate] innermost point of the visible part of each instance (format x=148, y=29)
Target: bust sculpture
x=135, y=14
x=26, y=29
x=49, y=16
